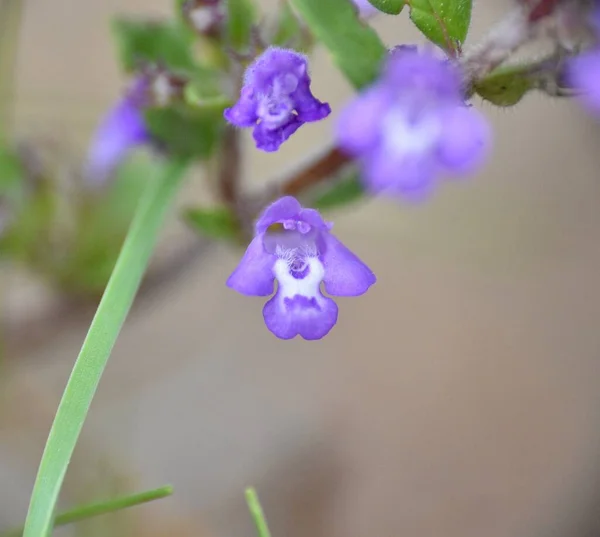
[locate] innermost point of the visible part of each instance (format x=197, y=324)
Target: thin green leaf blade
x=445, y=22
x=257, y=513
x=354, y=46
x=85, y=376
x=102, y=508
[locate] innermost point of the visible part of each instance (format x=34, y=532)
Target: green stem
x=11, y=14
x=106, y=325
x=257, y=513
x=102, y=508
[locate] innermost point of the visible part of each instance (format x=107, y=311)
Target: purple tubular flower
x=300, y=255
x=413, y=125
x=276, y=99
x=120, y=131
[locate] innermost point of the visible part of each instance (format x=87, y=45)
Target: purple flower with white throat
x=300, y=254
x=276, y=99
x=121, y=130
x=413, y=125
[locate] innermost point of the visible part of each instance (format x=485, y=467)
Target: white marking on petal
x=404, y=137
x=308, y=287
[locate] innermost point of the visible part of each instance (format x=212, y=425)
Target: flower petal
x=464, y=140
x=411, y=177
x=358, y=128
x=242, y=113
x=285, y=208
x=254, y=274
x=314, y=219
x=271, y=139
x=121, y=130
x=345, y=273
x=311, y=318
x=584, y=74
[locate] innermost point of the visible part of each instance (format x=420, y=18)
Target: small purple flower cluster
x=406, y=130
x=410, y=127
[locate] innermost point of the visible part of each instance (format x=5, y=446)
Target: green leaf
x=344, y=191
x=506, y=86
x=85, y=376
x=241, y=17
x=355, y=47
x=445, y=22
x=160, y=42
x=217, y=223
x=102, y=508
x=391, y=7
x=256, y=510
x=185, y=130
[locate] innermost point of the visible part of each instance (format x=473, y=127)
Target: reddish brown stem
x=324, y=167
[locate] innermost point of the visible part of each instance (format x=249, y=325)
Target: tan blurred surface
x=459, y=397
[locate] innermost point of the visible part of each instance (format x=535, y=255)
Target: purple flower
x=276, y=99
x=413, y=125
x=120, y=131
x=583, y=71
x=365, y=8
x=300, y=254
x=584, y=75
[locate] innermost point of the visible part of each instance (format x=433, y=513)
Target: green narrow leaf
x=257, y=513
x=445, y=22
x=102, y=508
x=355, y=47
x=216, y=223
x=87, y=371
x=344, y=191
x=160, y=42
x=241, y=17
x=391, y=7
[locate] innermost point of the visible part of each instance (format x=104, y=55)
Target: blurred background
x=460, y=397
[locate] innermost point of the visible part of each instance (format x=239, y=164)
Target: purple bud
x=276, y=99
x=120, y=131
x=413, y=125
x=300, y=255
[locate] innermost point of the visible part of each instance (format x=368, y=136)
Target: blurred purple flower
x=276, y=99
x=584, y=75
x=583, y=71
x=413, y=125
x=365, y=8
x=120, y=131
x=300, y=255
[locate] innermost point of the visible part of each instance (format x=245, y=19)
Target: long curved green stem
x=106, y=325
